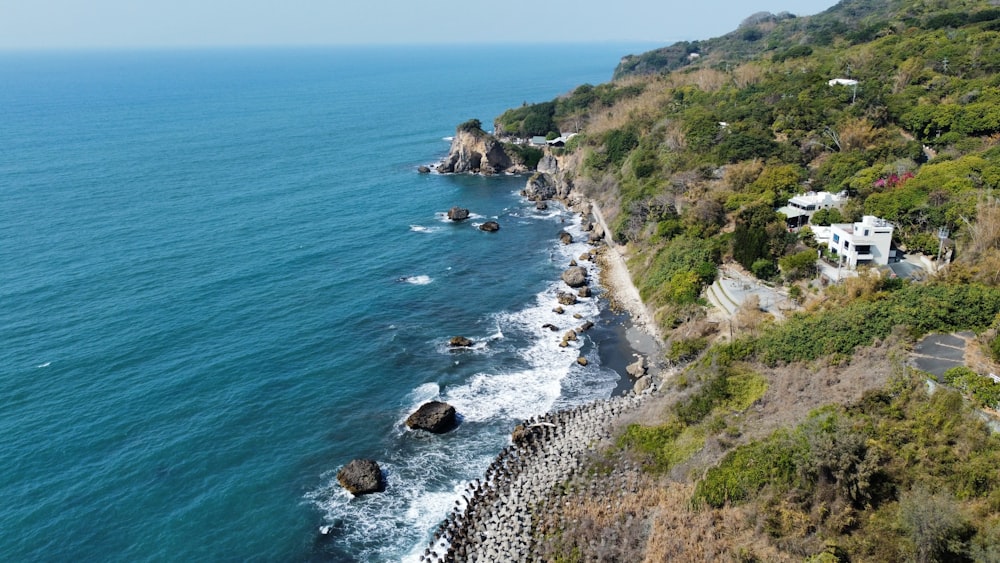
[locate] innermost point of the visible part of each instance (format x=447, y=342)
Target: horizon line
x=290, y=46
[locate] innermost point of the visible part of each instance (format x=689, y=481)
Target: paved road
x=937, y=353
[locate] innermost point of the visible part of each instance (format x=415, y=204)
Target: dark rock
x=423, y=169
x=459, y=342
x=570, y=336
x=586, y=326
x=361, y=477
x=582, y=361
x=458, y=214
x=550, y=326
x=541, y=205
x=435, y=416
x=565, y=237
x=524, y=434
x=584, y=257
x=490, y=227
x=584, y=292
x=577, y=316
x=575, y=276
x=566, y=298
x=558, y=310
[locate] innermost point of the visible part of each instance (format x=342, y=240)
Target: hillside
x=806, y=434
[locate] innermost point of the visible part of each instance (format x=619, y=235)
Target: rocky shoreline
x=498, y=518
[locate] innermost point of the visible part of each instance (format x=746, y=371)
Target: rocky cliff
x=474, y=150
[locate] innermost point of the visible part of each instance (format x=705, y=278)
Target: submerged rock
x=434, y=416
x=566, y=298
x=423, y=169
x=361, y=477
x=458, y=213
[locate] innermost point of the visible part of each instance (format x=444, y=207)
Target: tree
x=799, y=265
x=933, y=524
x=759, y=233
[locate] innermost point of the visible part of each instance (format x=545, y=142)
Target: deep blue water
x=221, y=278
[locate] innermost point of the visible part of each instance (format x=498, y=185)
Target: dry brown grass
x=748, y=74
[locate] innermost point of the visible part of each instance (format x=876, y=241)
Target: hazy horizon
x=61, y=25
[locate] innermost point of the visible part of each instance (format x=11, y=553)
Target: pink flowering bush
x=893, y=180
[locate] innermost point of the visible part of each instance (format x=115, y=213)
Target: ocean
x=222, y=278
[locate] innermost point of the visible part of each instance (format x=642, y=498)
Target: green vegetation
x=690, y=156
x=922, y=468
x=984, y=391
x=886, y=305
x=471, y=126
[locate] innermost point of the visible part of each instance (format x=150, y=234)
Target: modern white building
x=801, y=208
x=866, y=242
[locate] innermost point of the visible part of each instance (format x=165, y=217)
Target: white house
x=842, y=82
x=801, y=208
x=867, y=242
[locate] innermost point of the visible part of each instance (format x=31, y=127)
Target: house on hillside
x=802, y=207
x=866, y=242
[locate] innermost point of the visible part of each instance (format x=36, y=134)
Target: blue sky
x=60, y=24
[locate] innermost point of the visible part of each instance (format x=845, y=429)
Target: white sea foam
x=423, y=229
x=427, y=473
x=45, y=365
x=417, y=280
x=447, y=139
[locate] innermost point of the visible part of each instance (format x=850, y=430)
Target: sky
x=72, y=24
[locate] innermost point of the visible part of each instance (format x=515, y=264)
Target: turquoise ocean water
x=221, y=278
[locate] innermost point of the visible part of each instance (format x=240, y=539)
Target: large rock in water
x=575, y=276
x=458, y=213
x=490, y=227
x=361, y=477
x=435, y=416
x=473, y=150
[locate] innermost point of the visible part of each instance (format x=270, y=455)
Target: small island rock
x=458, y=213
x=434, y=416
x=423, y=169
x=459, y=342
x=361, y=477
x=490, y=227
x=565, y=237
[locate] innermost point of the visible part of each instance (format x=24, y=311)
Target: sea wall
x=496, y=518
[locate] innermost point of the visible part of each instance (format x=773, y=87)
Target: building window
x=836, y=238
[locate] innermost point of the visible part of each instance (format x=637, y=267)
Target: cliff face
x=478, y=152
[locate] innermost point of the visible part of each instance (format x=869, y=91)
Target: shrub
x=799, y=265
x=471, y=126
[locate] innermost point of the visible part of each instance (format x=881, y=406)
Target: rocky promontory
x=474, y=150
